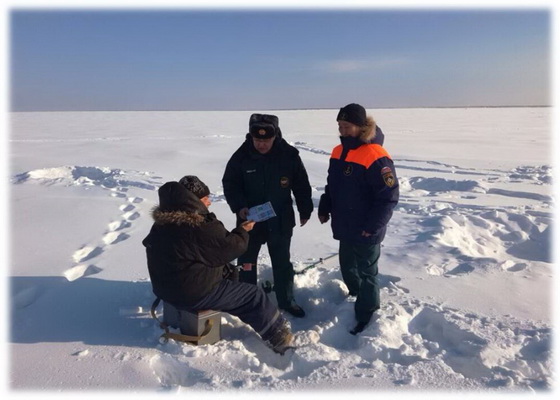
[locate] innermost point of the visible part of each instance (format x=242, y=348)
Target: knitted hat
x=195, y=185
x=263, y=126
x=353, y=113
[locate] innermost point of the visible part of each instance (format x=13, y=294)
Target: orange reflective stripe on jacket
x=363, y=155
x=337, y=152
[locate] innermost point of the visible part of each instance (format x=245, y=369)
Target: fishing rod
x=269, y=287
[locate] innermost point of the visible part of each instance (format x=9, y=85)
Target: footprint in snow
x=511, y=266
x=118, y=194
x=461, y=269
x=390, y=282
x=517, y=267
x=118, y=225
x=131, y=215
x=110, y=238
x=115, y=237
x=86, y=253
x=434, y=270
x=127, y=207
x=79, y=271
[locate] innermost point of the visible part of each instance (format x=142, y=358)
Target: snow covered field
x=466, y=267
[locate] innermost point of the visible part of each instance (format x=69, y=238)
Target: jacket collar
x=250, y=148
x=351, y=143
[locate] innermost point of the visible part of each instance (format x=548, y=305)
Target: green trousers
x=282, y=268
x=358, y=265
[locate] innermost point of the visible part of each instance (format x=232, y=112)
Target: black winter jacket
x=361, y=192
x=252, y=178
x=187, y=250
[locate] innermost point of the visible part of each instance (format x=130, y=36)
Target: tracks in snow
x=117, y=183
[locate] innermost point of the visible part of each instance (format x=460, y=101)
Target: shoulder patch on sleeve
x=385, y=170
x=388, y=177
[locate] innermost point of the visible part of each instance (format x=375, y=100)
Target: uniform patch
x=284, y=182
x=385, y=170
x=389, y=179
x=348, y=169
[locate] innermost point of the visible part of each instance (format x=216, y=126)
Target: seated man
x=188, y=250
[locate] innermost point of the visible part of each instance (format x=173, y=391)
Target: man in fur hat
x=361, y=192
x=266, y=168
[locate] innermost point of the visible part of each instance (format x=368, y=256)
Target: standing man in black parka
x=266, y=168
x=361, y=193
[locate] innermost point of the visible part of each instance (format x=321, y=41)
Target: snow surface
x=466, y=267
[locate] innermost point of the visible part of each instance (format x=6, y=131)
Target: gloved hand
x=231, y=272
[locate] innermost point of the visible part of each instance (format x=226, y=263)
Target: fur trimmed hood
x=178, y=206
x=176, y=217
x=368, y=131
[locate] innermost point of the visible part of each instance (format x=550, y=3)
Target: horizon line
x=279, y=109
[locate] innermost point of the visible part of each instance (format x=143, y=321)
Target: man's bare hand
x=248, y=225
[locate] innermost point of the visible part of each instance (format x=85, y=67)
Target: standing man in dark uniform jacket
x=266, y=168
x=361, y=192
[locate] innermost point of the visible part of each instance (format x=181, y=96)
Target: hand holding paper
x=261, y=212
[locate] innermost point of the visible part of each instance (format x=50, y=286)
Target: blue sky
x=249, y=59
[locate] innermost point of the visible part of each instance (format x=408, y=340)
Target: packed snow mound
x=411, y=343
x=540, y=174
x=491, y=234
x=444, y=185
x=104, y=177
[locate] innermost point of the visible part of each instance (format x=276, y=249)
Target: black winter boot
x=360, y=326
x=295, y=310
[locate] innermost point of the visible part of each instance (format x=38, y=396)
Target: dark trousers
x=247, y=302
x=282, y=268
x=358, y=265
